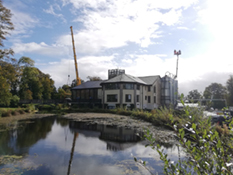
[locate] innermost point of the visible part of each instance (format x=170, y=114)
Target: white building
x=122, y=90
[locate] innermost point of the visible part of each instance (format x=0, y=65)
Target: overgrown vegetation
x=208, y=148
x=8, y=112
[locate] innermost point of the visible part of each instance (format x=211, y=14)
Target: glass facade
x=112, y=86
x=128, y=86
x=128, y=98
x=112, y=98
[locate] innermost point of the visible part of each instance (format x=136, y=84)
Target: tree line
x=215, y=92
x=19, y=79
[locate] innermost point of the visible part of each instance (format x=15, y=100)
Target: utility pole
x=177, y=53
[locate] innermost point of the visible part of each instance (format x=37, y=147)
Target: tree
x=61, y=93
x=5, y=95
x=230, y=90
x=216, y=91
x=94, y=78
x=48, y=86
x=6, y=26
x=194, y=94
x=26, y=62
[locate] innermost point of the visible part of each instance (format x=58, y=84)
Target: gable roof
x=89, y=85
x=124, y=78
x=150, y=79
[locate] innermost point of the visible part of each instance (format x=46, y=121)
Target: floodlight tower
x=177, y=53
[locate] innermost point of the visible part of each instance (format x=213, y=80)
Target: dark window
x=138, y=87
x=145, y=88
x=111, y=98
x=128, y=86
x=148, y=88
x=128, y=98
x=154, y=99
x=112, y=86
x=137, y=98
x=148, y=99
x=145, y=97
x=154, y=89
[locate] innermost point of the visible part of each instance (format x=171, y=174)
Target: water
x=56, y=146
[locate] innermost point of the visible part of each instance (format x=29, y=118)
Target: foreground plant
x=208, y=148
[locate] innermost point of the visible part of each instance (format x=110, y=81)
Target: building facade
x=123, y=90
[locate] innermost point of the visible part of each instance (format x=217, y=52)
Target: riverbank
x=13, y=119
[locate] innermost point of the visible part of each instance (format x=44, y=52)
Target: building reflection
x=117, y=138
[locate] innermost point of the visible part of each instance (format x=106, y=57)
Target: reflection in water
x=72, y=152
x=53, y=145
x=108, y=132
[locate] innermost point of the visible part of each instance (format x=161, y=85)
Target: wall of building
x=112, y=92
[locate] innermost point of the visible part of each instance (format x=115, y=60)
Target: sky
x=139, y=36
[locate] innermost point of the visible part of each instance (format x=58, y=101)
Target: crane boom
x=78, y=80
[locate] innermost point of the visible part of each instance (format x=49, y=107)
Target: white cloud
x=50, y=10
x=87, y=66
x=113, y=24
x=41, y=48
x=183, y=28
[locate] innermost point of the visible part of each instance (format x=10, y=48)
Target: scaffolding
x=115, y=72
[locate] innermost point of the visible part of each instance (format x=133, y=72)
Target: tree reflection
x=19, y=140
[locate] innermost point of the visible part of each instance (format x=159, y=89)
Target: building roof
x=124, y=78
x=149, y=80
x=89, y=85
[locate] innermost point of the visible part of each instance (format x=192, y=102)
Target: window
x=145, y=88
x=128, y=86
x=154, y=99
x=145, y=97
x=148, y=99
x=112, y=86
x=137, y=98
x=138, y=87
x=112, y=98
x=154, y=89
x=128, y=98
x=148, y=88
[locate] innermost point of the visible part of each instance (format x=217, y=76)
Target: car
x=225, y=118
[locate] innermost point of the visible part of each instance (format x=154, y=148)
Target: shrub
x=21, y=111
x=209, y=149
x=15, y=112
x=14, y=101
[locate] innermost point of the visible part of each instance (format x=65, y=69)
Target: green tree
x=61, y=93
x=230, y=90
x=216, y=91
x=5, y=54
x=94, y=78
x=6, y=27
x=194, y=94
x=48, y=86
x=26, y=62
x=5, y=95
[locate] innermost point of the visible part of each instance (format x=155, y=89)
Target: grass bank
x=8, y=112
x=158, y=117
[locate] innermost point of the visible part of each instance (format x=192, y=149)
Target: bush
x=14, y=101
x=21, y=111
x=30, y=108
x=15, y=112
x=209, y=149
